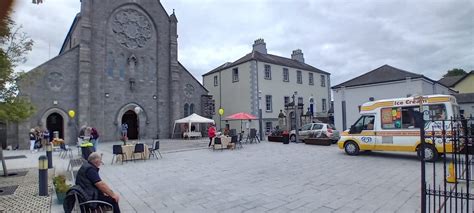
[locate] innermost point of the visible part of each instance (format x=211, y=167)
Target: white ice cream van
x=389, y=125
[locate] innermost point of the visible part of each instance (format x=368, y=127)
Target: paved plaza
x=261, y=177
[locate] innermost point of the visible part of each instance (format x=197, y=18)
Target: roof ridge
x=376, y=70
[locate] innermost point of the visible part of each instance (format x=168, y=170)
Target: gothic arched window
x=191, y=109
x=186, y=110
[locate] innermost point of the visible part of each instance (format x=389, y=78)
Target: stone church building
x=118, y=64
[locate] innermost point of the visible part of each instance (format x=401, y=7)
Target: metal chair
x=64, y=151
x=117, y=150
x=139, y=149
x=154, y=149
x=235, y=139
x=253, y=136
x=217, y=141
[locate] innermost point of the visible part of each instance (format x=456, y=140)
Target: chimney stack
x=297, y=55
x=260, y=46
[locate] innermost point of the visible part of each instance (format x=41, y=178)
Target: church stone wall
x=50, y=85
x=129, y=70
x=191, y=91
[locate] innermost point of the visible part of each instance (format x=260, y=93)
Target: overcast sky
x=345, y=38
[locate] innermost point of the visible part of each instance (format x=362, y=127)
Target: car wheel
x=351, y=148
x=293, y=138
x=431, y=154
x=334, y=141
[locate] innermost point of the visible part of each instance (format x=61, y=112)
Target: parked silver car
x=316, y=130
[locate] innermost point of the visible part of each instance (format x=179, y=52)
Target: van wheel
x=351, y=148
x=431, y=154
x=293, y=138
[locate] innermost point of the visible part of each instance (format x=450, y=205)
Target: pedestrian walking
x=32, y=140
x=211, y=132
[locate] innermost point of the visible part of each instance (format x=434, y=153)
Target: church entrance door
x=55, y=122
x=131, y=119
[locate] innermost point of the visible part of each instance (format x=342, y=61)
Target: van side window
x=436, y=112
x=369, y=123
x=404, y=117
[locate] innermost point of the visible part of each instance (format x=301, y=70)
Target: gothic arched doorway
x=55, y=122
x=131, y=119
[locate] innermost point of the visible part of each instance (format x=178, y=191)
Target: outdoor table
x=128, y=150
x=224, y=140
x=192, y=134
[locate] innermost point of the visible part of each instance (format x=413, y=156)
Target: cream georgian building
x=236, y=87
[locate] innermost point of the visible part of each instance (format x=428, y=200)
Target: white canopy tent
x=194, y=118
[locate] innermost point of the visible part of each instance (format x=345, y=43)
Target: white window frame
x=286, y=75
x=323, y=81
x=235, y=74
x=268, y=72
x=311, y=78
x=299, y=77
x=268, y=128
x=286, y=100
x=268, y=103
x=323, y=104
x=216, y=81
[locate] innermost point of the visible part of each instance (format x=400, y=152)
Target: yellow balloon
x=71, y=113
x=221, y=111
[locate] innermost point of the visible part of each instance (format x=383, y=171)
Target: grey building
x=118, y=64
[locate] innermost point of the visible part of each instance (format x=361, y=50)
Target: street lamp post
x=297, y=136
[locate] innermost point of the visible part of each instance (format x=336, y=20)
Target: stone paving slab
x=265, y=177
x=25, y=198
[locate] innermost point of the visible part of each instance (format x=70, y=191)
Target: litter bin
x=86, y=151
x=286, y=138
x=86, y=148
x=55, y=134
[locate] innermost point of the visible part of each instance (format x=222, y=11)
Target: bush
x=60, y=184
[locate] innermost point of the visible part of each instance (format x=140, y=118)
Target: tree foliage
x=14, y=45
x=455, y=72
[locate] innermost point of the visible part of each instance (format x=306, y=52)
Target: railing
x=447, y=184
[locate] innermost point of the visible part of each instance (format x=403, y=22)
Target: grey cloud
x=345, y=38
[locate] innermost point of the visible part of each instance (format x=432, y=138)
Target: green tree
x=14, y=45
x=455, y=72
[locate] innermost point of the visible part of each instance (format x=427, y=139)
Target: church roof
x=184, y=68
x=68, y=35
x=269, y=58
x=385, y=73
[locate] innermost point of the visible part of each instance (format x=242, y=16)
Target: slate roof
x=451, y=81
x=463, y=98
x=385, y=73
x=269, y=58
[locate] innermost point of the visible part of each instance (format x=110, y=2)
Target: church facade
x=118, y=64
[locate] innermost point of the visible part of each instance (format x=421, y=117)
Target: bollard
x=49, y=154
x=43, y=175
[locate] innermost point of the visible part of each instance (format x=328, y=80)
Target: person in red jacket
x=211, y=132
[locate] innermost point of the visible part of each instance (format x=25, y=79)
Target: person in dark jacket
x=89, y=180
